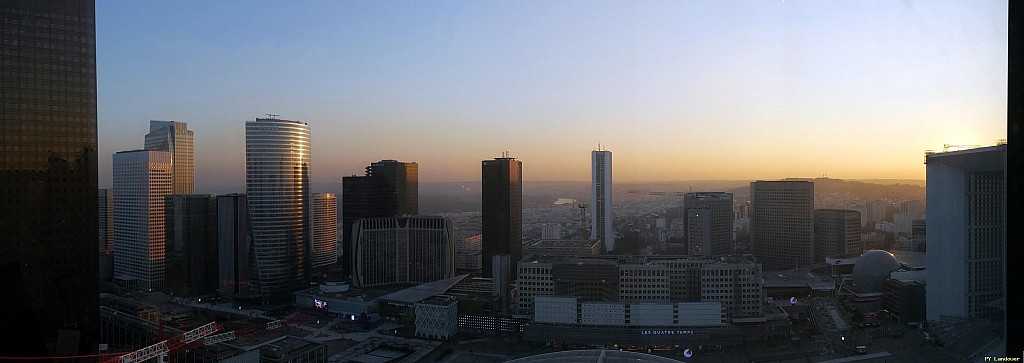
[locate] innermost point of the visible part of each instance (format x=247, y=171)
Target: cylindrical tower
x=277, y=161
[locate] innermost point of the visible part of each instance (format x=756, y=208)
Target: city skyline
x=764, y=192
x=883, y=82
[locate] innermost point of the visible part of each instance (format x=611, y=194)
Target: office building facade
x=467, y=252
x=389, y=188
x=234, y=248
x=966, y=233
x=176, y=138
x=48, y=177
x=142, y=182
x=277, y=167
x=191, y=244
x=601, y=228
x=837, y=234
x=502, y=212
x=410, y=249
x=105, y=210
x=708, y=223
x=324, y=230
x=737, y=283
x=782, y=223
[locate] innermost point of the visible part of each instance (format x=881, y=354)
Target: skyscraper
x=708, y=223
x=234, y=247
x=502, y=213
x=966, y=233
x=277, y=162
x=601, y=192
x=390, y=188
x=176, y=138
x=48, y=177
x=142, y=181
x=324, y=230
x=836, y=234
x=191, y=246
x=782, y=223
x=105, y=202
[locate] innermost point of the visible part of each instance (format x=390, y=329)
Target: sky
x=677, y=90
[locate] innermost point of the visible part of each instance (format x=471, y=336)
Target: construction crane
x=947, y=147
x=583, y=220
x=165, y=347
x=950, y=147
x=643, y=192
x=201, y=335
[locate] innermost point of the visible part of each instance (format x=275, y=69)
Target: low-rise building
x=736, y=283
x=437, y=317
x=561, y=247
x=293, y=350
x=904, y=299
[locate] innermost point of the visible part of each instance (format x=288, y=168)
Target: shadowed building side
x=48, y=178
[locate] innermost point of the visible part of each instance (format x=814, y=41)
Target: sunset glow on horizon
x=676, y=90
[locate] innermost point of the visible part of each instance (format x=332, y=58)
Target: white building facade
x=142, y=180
x=570, y=310
x=966, y=233
x=437, y=317
x=176, y=138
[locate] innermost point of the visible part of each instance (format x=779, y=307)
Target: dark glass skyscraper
x=708, y=223
x=502, y=213
x=782, y=223
x=836, y=234
x=48, y=223
x=234, y=247
x=390, y=188
x=191, y=247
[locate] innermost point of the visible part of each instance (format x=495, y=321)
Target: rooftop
x=420, y=292
x=911, y=259
x=594, y=355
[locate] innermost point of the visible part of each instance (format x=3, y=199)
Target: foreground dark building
x=49, y=263
x=502, y=213
x=191, y=244
x=390, y=188
x=782, y=223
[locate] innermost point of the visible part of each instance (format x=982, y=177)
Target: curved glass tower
x=277, y=160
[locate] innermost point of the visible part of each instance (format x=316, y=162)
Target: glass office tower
x=277, y=160
x=49, y=263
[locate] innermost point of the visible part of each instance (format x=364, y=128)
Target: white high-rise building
x=277, y=163
x=966, y=233
x=142, y=180
x=601, y=215
x=176, y=138
x=324, y=229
